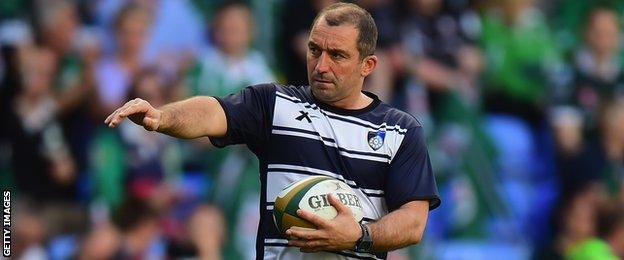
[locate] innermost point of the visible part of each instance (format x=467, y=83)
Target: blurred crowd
x=522, y=102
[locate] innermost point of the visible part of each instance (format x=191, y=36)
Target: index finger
x=336, y=203
x=129, y=110
x=113, y=115
x=108, y=119
x=305, y=233
x=314, y=219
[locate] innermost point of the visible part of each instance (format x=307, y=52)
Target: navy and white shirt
x=379, y=151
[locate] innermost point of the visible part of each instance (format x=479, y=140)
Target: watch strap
x=365, y=243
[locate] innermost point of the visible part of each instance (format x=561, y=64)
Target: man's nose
x=322, y=65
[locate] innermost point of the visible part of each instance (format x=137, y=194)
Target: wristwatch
x=365, y=243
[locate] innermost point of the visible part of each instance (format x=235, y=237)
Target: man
x=329, y=128
x=232, y=64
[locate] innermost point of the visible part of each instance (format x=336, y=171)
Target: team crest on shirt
x=376, y=139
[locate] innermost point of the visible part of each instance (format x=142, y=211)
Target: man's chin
x=322, y=92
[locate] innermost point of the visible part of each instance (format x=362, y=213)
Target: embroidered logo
x=376, y=139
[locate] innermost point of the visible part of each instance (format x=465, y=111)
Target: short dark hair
x=340, y=13
x=132, y=213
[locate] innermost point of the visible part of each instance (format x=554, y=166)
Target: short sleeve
x=410, y=176
x=249, y=114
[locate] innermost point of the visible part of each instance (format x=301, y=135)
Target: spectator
x=138, y=223
x=434, y=36
x=174, y=17
x=206, y=231
x=58, y=25
x=612, y=141
x=72, y=84
x=438, y=38
x=114, y=73
x=232, y=65
x=609, y=242
x=43, y=167
x=600, y=158
x=147, y=151
x=574, y=219
x=568, y=19
x=30, y=233
x=598, y=69
x=101, y=243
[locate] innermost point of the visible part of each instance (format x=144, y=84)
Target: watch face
x=366, y=245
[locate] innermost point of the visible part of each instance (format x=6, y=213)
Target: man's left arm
x=410, y=194
x=402, y=227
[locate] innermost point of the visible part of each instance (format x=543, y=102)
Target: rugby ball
x=311, y=194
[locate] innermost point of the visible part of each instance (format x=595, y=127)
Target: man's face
x=132, y=33
x=603, y=33
x=61, y=31
x=233, y=33
x=335, y=70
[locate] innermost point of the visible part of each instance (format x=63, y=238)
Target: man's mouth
x=323, y=80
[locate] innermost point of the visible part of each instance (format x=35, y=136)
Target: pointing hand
x=138, y=111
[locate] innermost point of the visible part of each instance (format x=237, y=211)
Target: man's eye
x=337, y=56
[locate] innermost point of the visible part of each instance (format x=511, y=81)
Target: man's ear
x=368, y=65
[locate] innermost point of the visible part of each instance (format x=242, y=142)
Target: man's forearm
x=400, y=228
x=194, y=117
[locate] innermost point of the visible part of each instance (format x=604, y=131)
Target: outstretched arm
x=190, y=118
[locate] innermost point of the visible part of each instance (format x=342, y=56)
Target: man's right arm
x=191, y=118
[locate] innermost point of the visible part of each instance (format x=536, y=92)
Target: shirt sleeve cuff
x=223, y=140
x=434, y=202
